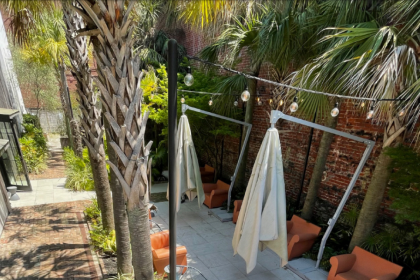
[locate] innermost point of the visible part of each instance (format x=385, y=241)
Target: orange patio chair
x=301, y=235
x=215, y=194
x=362, y=265
x=237, y=204
x=160, y=251
x=207, y=174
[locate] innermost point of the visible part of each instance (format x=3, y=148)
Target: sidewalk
x=47, y=242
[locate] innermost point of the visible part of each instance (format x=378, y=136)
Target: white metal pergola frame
x=276, y=115
x=185, y=107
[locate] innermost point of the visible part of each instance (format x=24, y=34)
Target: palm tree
x=45, y=42
x=372, y=59
x=119, y=77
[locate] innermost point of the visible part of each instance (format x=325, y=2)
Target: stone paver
x=47, y=191
x=209, y=245
x=47, y=241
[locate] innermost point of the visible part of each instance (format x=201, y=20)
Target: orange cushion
x=351, y=275
x=289, y=237
x=164, y=252
x=208, y=194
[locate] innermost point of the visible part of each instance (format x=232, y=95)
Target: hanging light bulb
x=235, y=103
x=211, y=101
x=281, y=102
x=401, y=113
x=245, y=95
x=183, y=99
x=294, y=106
x=335, y=111
x=258, y=99
x=362, y=104
x=189, y=79
x=270, y=101
x=370, y=113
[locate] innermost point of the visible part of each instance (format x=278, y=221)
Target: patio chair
x=215, y=194
x=207, y=174
x=362, y=265
x=160, y=251
x=237, y=204
x=301, y=235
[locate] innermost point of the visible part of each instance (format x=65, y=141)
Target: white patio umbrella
x=187, y=169
x=262, y=219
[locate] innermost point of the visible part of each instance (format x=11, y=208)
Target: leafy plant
x=398, y=243
x=103, y=240
x=34, y=156
x=78, y=171
x=404, y=185
x=93, y=213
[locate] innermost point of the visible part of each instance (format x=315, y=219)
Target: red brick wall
x=344, y=154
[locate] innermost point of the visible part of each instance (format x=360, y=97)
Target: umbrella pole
x=172, y=116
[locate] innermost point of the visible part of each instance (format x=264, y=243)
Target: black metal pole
x=305, y=165
x=172, y=116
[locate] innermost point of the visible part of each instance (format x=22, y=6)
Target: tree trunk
x=122, y=234
x=375, y=192
x=91, y=116
x=369, y=212
x=240, y=182
x=138, y=219
x=103, y=191
x=319, y=168
x=74, y=134
x=119, y=76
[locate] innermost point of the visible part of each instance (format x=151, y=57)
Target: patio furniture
x=207, y=174
x=301, y=235
x=160, y=251
x=362, y=265
x=215, y=194
x=237, y=204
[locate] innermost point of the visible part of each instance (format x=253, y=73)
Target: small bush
x=78, y=171
x=103, y=240
x=93, y=213
x=34, y=145
x=34, y=156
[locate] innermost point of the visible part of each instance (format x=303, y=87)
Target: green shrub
x=103, y=240
x=78, y=171
x=34, y=156
x=34, y=145
x=93, y=213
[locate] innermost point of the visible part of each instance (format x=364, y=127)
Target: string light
x=270, y=101
x=211, y=101
x=259, y=102
x=245, y=95
x=189, y=79
x=362, y=105
x=371, y=112
x=401, y=113
x=183, y=99
x=294, y=106
x=235, y=103
x=335, y=111
x=281, y=102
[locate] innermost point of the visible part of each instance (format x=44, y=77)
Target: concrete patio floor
x=47, y=191
x=209, y=245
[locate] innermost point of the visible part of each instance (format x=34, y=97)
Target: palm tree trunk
x=91, y=116
x=75, y=136
x=319, y=168
x=249, y=113
x=375, y=192
x=122, y=233
x=119, y=80
x=103, y=193
x=138, y=218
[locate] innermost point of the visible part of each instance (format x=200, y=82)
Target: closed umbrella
x=262, y=218
x=187, y=169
